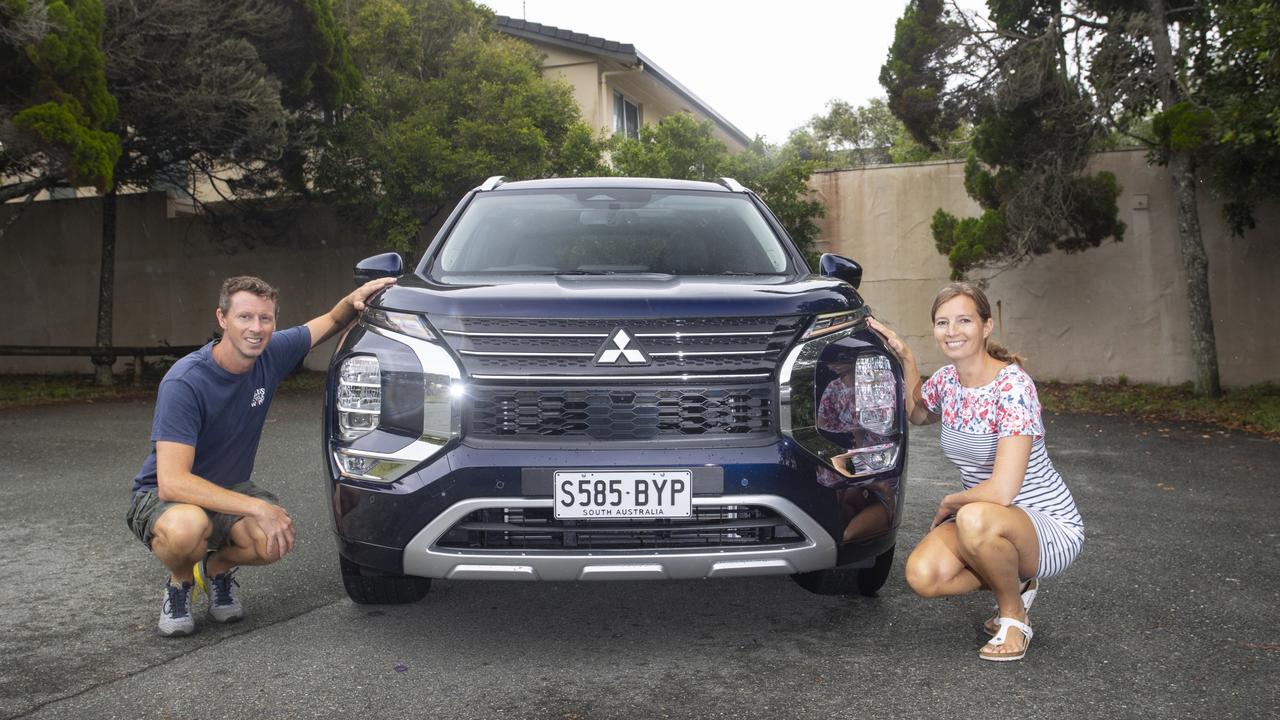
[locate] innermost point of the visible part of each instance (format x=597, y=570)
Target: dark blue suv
x=608, y=378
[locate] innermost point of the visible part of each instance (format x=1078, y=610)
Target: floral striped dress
x=974, y=420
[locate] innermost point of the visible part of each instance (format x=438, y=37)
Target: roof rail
x=492, y=182
x=733, y=185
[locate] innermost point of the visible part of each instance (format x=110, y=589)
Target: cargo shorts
x=147, y=507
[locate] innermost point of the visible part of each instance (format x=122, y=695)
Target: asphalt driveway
x=1173, y=610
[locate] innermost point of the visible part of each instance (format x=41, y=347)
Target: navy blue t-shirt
x=219, y=413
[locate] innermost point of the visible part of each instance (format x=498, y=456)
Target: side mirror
x=840, y=268
x=379, y=266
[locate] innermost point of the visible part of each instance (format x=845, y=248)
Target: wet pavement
x=1172, y=610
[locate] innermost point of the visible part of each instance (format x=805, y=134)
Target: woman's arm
x=1012, y=454
x=917, y=412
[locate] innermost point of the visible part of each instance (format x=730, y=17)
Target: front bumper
x=399, y=528
x=424, y=557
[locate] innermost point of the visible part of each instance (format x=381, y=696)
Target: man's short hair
x=246, y=283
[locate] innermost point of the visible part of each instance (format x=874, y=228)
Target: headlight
x=877, y=393
x=397, y=399
x=831, y=322
x=404, y=323
x=840, y=398
x=359, y=396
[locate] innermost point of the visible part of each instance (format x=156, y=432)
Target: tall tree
x=217, y=93
x=54, y=104
x=1242, y=153
x=1033, y=131
x=1047, y=81
x=448, y=102
x=679, y=146
x=213, y=97
x=848, y=136
x=782, y=181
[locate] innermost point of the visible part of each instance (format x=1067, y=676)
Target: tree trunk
x=106, y=290
x=1195, y=261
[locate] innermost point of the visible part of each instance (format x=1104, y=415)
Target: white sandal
x=1005, y=623
x=1031, y=587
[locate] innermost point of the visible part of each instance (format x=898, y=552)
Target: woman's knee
x=923, y=575
x=977, y=522
x=182, y=528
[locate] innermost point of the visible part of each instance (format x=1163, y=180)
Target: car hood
x=631, y=296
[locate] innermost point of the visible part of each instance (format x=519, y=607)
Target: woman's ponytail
x=1003, y=354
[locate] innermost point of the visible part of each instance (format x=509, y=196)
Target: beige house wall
x=1119, y=309
x=594, y=81
x=582, y=72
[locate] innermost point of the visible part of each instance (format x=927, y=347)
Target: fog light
x=878, y=458
x=352, y=465
x=866, y=461
x=372, y=469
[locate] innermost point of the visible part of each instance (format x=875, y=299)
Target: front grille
x=638, y=412
x=711, y=526
x=750, y=347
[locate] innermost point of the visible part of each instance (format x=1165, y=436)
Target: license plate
x=639, y=494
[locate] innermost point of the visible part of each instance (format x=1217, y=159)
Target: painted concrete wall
x=1119, y=309
x=168, y=272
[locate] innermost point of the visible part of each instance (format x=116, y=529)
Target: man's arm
x=176, y=483
x=344, y=313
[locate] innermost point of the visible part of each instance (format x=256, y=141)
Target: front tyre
x=370, y=587
x=849, y=581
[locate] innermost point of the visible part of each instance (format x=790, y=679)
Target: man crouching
x=194, y=504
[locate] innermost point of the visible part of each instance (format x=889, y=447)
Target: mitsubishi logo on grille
x=621, y=349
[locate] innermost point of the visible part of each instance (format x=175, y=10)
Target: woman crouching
x=1015, y=521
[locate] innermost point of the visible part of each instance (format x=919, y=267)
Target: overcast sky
x=766, y=67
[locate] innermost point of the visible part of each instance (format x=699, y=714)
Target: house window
x=626, y=116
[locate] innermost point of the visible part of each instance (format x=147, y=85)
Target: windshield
x=611, y=230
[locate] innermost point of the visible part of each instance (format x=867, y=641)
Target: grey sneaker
x=224, y=605
x=175, y=610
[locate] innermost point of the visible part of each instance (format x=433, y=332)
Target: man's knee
x=246, y=534
x=182, y=528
